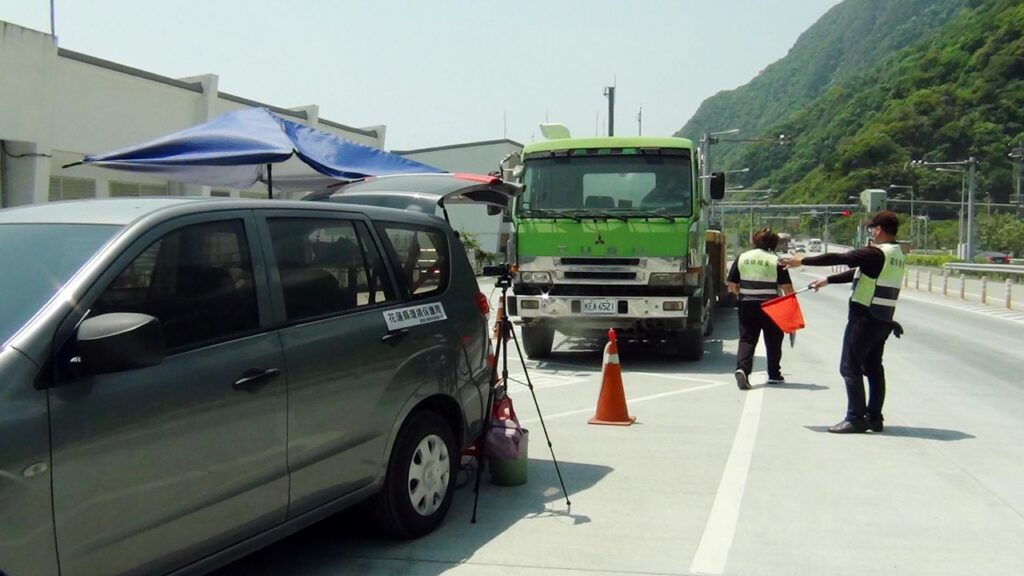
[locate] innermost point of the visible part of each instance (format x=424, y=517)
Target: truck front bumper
x=577, y=314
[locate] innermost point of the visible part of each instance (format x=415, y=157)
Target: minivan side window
x=327, y=266
x=197, y=280
x=423, y=257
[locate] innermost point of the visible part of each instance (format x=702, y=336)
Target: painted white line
x=674, y=377
x=981, y=310
x=713, y=550
x=628, y=402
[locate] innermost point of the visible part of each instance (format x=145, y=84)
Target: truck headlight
x=666, y=279
x=535, y=277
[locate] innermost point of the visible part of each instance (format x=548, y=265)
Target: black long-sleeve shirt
x=869, y=259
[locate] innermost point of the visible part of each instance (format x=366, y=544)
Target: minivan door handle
x=395, y=337
x=254, y=378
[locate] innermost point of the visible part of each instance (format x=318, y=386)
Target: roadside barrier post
x=984, y=290
x=1009, y=288
x=906, y=280
x=945, y=282
x=929, y=280
x=963, y=281
x=917, y=279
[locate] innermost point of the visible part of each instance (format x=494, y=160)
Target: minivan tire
x=537, y=340
x=420, y=480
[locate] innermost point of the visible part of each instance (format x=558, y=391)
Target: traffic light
x=845, y=213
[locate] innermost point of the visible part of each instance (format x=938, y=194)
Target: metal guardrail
x=996, y=268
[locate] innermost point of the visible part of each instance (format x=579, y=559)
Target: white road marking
x=981, y=310
x=628, y=402
x=713, y=550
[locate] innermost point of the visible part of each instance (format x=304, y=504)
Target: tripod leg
x=482, y=444
x=551, y=448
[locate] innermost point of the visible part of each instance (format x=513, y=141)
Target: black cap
x=886, y=220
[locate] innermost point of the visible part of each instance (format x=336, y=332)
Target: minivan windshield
x=610, y=186
x=36, y=261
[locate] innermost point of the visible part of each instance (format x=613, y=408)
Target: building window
x=220, y=193
x=127, y=189
x=68, y=188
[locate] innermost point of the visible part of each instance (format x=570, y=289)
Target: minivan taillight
x=482, y=304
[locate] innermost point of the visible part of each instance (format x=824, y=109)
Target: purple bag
x=505, y=435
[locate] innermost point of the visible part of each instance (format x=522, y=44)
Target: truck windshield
x=37, y=260
x=615, y=186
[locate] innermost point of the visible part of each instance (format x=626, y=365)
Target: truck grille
x=600, y=261
x=600, y=275
x=600, y=290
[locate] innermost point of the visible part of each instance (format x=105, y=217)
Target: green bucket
x=511, y=472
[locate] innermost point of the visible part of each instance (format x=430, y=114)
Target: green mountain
x=874, y=84
x=851, y=37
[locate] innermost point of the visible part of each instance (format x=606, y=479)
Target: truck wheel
x=709, y=308
x=537, y=340
x=727, y=300
x=691, y=343
x=420, y=479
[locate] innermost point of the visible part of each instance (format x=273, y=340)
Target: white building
x=478, y=158
x=57, y=106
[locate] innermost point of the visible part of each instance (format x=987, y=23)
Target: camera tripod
x=506, y=333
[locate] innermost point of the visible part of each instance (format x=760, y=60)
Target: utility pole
x=972, y=165
x=972, y=172
x=640, y=121
x=609, y=91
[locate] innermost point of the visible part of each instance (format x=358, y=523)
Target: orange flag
x=785, y=312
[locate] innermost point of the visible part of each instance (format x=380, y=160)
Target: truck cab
x=611, y=233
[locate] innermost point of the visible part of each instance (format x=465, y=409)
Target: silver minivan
x=183, y=380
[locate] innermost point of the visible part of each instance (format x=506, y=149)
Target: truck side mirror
x=717, y=185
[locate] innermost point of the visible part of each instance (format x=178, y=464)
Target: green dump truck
x=612, y=233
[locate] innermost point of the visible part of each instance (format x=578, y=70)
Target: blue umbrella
x=237, y=150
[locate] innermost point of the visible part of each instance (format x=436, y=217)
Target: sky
x=446, y=72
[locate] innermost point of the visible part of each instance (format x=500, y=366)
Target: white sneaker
x=741, y=380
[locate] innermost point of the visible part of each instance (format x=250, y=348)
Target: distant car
x=183, y=380
x=994, y=257
x=799, y=248
x=814, y=245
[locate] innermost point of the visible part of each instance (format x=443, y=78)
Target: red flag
x=785, y=312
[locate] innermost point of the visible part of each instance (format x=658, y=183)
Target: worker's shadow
x=939, y=434
x=796, y=386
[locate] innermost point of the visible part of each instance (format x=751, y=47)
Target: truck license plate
x=599, y=306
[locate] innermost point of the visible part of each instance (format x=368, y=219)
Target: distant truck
x=612, y=232
x=814, y=245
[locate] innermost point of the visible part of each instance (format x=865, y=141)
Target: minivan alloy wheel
x=429, y=475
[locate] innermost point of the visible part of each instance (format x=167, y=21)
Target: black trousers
x=863, y=345
x=753, y=321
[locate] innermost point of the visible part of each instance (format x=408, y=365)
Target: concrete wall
x=57, y=106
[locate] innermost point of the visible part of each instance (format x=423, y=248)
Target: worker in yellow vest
x=757, y=276
x=877, y=274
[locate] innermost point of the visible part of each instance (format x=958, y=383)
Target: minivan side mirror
x=117, y=342
x=717, y=185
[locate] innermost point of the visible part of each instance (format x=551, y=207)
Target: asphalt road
x=712, y=480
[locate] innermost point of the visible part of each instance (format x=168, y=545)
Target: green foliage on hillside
x=958, y=91
x=853, y=36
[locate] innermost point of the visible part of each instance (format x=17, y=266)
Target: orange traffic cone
x=611, y=404
x=498, y=317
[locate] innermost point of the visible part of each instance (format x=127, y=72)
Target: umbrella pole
x=270, y=181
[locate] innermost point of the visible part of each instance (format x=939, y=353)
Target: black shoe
x=874, y=424
x=742, y=382
x=776, y=380
x=847, y=427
